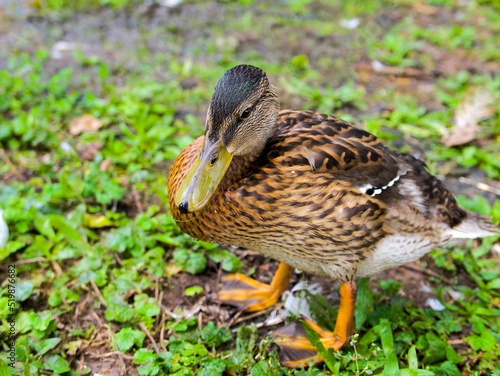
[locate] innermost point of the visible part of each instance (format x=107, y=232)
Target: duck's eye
x=245, y=114
x=213, y=159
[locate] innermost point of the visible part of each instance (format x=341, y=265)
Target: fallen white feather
x=4, y=231
x=65, y=146
x=350, y=24
x=294, y=305
x=435, y=304
x=425, y=288
x=377, y=66
x=297, y=306
x=495, y=249
x=169, y=3
x=60, y=48
x=313, y=288
x=455, y=295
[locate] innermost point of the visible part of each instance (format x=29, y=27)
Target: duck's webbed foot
x=297, y=350
x=242, y=291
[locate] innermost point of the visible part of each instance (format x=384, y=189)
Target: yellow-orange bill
x=204, y=176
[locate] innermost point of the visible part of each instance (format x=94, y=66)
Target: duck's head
x=240, y=119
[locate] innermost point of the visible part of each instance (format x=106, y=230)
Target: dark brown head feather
x=240, y=84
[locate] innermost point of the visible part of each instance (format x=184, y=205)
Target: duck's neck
x=239, y=168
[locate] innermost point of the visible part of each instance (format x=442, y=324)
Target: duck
x=311, y=191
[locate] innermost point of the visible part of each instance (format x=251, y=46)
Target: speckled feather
x=306, y=200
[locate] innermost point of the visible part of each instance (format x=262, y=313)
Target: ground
x=96, y=100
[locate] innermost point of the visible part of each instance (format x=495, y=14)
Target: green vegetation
x=86, y=202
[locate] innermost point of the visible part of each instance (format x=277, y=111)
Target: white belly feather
x=396, y=250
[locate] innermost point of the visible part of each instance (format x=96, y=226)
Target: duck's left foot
x=242, y=291
x=297, y=350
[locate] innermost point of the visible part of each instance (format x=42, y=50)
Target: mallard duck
x=311, y=191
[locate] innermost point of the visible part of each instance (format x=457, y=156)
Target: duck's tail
x=475, y=226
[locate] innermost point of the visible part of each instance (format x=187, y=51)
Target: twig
x=118, y=260
x=72, y=282
x=148, y=334
x=111, y=334
x=242, y=254
x=170, y=313
x=137, y=201
x=80, y=308
x=418, y=269
x=479, y=185
x=94, y=315
x=476, y=359
x=171, y=328
x=30, y=261
x=156, y=289
x=57, y=268
x=112, y=353
x=82, y=363
x=217, y=289
x=253, y=315
x=200, y=321
x=395, y=71
x=159, y=299
x=114, y=206
x=101, y=342
x=91, y=342
x=98, y=293
x=7, y=160
x=235, y=317
x=162, y=332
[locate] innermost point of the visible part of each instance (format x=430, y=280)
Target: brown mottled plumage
x=313, y=191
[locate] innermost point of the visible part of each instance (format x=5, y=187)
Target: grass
x=101, y=266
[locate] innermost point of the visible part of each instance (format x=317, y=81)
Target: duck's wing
x=326, y=144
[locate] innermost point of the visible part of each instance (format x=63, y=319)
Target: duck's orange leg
x=240, y=290
x=296, y=350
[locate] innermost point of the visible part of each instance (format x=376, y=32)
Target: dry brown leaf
x=172, y=270
x=74, y=346
x=460, y=136
x=478, y=105
x=105, y=165
x=84, y=123
x=89, y=151
x=425, y=9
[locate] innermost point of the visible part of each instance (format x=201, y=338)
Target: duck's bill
x=204, y=177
